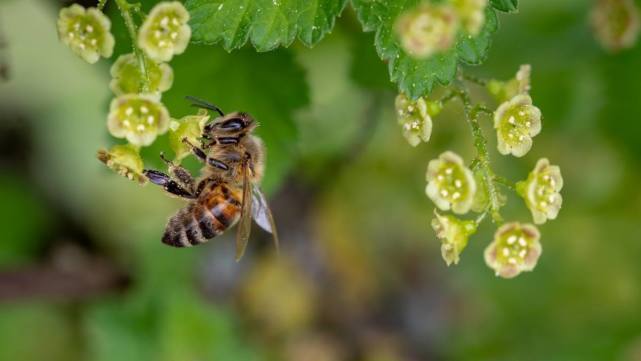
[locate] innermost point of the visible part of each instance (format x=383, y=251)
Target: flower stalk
x=125, y=11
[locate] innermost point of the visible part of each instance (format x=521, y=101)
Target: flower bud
x=138, y=118
x=86, y=32
x=515, y=249
x=516, y=121
x=541, y=191
x=427, y=29
x=125, y=160
x=450, y=184
x=454, y=234
x=506, y=90
x=165, y=31
x=126, y=76
x=190, y=127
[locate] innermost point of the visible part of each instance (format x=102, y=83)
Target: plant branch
x=125, y=11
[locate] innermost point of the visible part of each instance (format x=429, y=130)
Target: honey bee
x=227, y=191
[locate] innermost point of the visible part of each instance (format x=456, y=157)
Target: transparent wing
x=262, y=214
x=244, y=225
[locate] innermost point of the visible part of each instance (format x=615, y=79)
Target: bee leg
x=165, y=181
x=200, y=154
x=179, y=174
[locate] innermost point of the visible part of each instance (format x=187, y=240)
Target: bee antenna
x=197, y=102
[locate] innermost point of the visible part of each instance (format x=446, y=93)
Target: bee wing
x=263, y=215
x=244, y=225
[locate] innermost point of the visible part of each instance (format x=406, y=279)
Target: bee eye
x=232, y=124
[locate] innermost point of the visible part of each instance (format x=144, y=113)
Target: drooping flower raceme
x=189, y=127
x=471, y=13
x=125, y=160
x=139, y=118
x=416, y=118
x=450, y=184
x=427, y=29
x=126, y=76
x=165, y=31
x=516, y=248
x=454, y=234
x=541, y=191
x=516, y=121
x=86, y=32
x=616, y=23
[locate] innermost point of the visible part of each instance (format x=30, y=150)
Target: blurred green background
x=83, y=275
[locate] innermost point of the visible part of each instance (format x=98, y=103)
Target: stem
x=504, y=182
x=473, y=79
x=480, y=143
x=125, y=11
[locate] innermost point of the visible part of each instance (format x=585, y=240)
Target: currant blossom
x=428, y=29
x=515, y=249
x=615, y=23
x=165, y=32
x=471, y=13
x=506, y=90
x=516, y=121
x=125, y=160
x=126, y=76
x=137, y=117
x=454, y=234
x=416, y=118
x=450, y=184
x=189, y=127
x=541, y=191
x=86, y=32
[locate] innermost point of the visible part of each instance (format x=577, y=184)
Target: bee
x=227, y=192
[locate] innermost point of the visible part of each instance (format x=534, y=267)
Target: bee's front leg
x=202, y=156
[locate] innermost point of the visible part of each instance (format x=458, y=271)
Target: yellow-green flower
x=471, y=13
x=190, y=127
x=541, y=191
x=126, y=76
x=450, y=184
x=515, y=249
x=516, y=121
x=86, y=32
x=165, y=31
x=427, y=29
x=616, y=23
x=138, y=118
x=125, y=160
x=454, y=234
x=416, y=118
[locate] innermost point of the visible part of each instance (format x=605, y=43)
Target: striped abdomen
x=205, y=218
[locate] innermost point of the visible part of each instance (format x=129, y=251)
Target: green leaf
x=507, y=6
x=267, y=23
x=270, y=87
x=417, y=77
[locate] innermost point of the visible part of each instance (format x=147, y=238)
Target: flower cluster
x=429, y=29
x=616, y=23
x=86, y=32
x=138, y=79
x=452, y=185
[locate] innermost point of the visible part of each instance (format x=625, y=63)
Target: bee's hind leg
x=180, y=175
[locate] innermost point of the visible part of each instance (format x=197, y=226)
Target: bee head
x=231, y=123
